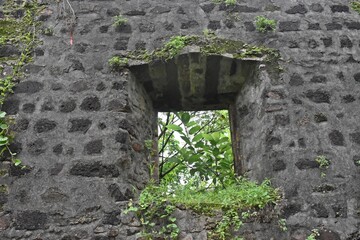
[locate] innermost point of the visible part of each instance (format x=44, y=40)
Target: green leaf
x=4, y=126
x=186, y=139
x=174, y=127
x=2, y=114
x=17, y=162
x=198, y=137
x=185, y=118
x=194, y=129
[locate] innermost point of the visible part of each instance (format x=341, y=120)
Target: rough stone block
x=68, y=106
x=96, y=169
x=29, y=87
x=339, y=8
x=94, y=147
x=90, y=104
x=318, y=96
x=37, y=147
x=79, y=125
x=44, y=125
x=300, y=9
x=337, y=138
x=31, y=220
x=288, y=26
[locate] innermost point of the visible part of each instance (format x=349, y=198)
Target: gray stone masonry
x=81, y=128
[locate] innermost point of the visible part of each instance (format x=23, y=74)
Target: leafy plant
x=264, y=24
x=119, y=20
x=324, y=164
x=356, y=6
x=117, y=63
x=313, y=236
x=230, y=2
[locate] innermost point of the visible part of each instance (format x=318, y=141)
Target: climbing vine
x=20, y=33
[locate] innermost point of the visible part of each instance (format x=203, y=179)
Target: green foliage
x=117, y=63
x=282, y=225
x=21, y=33
x=324, y=164
x=119, y=20
x=314, y=234
x=204, y=152
x=230, y=2
x=356, y=6
x=264, y=24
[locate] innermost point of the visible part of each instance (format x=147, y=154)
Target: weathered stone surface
x=94, y=147
x=320, y=211
x=28, y=87
x=296, y=80
x=90, y=104
x=96, y=169
x=355, y=137
x=67, y=106
x=44, y=125
x=301, y=9
x=79, y=125
x=337, y=138
x=8, y=50
x=37, y=147
x=11, y=105
x=288, y=26
x=318, y=96
x=339, y=8
x=303, y=164
x=31, y=220
x=115, y=192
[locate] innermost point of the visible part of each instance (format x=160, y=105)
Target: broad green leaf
x=194, y=129
x=4, y=126
x=174, y=127
x=186, y=139
x=190, y=124
x=2, y=114
x=198, y=137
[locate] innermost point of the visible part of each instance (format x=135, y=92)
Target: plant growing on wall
x=356, y=6
x=25, y=39
x=119, y=20
x=264, y=24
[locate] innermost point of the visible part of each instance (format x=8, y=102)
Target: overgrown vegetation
x=20, y=33
x=264, y=24
x=356, y=6
x=238, y=202
x=116, y=63
x=196, y=173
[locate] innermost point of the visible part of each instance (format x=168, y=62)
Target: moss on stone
x=356, y=6
x=208, y=45
x=3, y=189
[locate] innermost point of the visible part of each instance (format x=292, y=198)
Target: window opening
x=195, y=147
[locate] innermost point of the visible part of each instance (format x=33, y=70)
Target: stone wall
x=80, y=128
